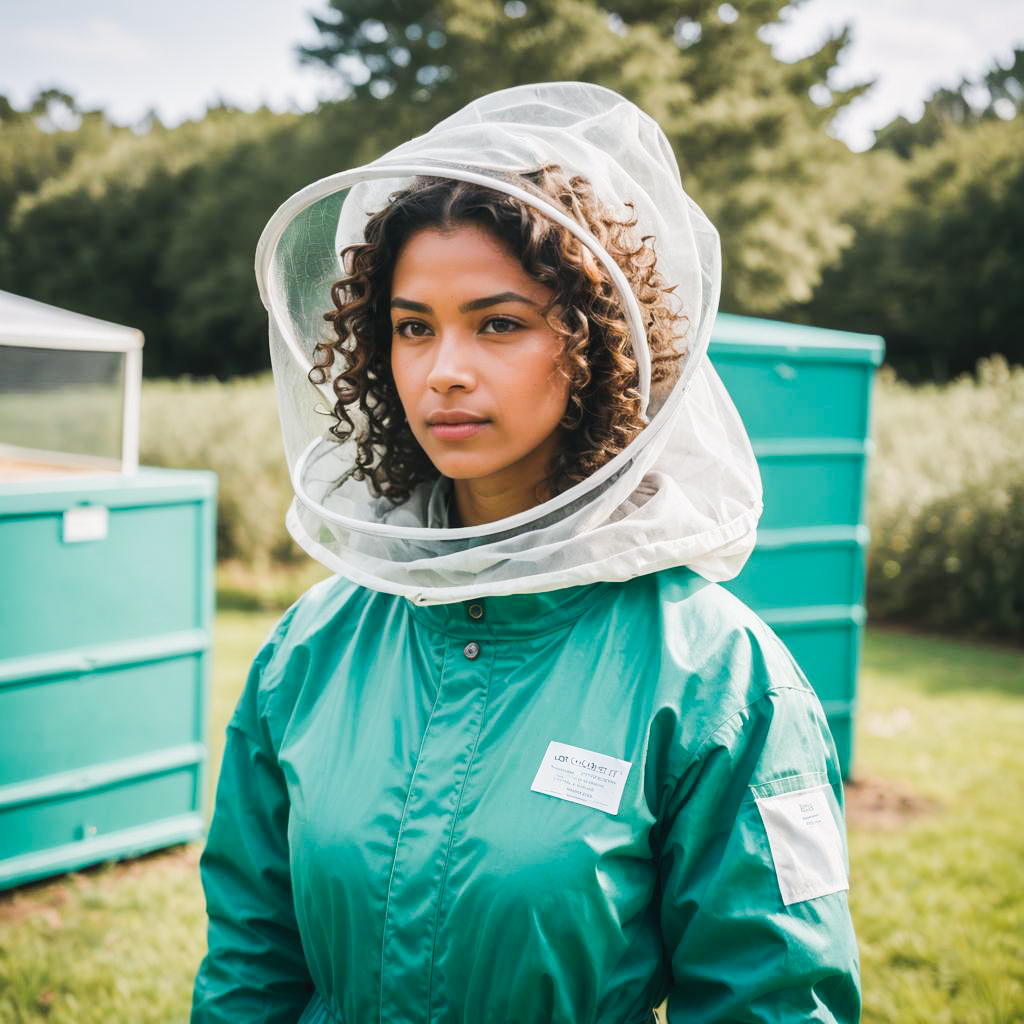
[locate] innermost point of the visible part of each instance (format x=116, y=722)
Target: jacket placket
x=423, y=845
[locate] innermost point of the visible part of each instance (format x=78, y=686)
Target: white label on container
x=807, y=849
x=85, y=522
x=582, y=776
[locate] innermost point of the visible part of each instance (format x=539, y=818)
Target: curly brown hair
x=603, y=409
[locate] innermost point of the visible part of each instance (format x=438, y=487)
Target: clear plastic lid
x=69, y=392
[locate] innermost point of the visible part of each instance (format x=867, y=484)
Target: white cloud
x=911, y=48
x=96, y=40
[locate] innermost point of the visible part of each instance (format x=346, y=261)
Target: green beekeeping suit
x=380, y=851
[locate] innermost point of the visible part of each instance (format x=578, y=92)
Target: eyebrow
x=493, y=300
x=490, y=300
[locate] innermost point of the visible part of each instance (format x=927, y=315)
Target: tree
x=1005, y=87
x=157, y=227
x=937, y=214
x=140, y=232
x=751, y=143
x=38, y=144
x=936, y=264
x=997, y=95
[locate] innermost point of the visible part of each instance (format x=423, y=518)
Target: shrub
x=946, y=495
x=946, y=488
x=231, y=428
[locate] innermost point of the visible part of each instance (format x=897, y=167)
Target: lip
x=457, y=431
x=454, y=416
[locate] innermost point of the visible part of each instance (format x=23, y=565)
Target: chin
x=464, y=465
x=459, y=470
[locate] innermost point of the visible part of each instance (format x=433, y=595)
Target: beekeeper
x=520, y=760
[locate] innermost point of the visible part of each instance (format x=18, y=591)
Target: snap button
x=471, y=650
x=476, y=611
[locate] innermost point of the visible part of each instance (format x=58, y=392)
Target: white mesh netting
x=686, y=491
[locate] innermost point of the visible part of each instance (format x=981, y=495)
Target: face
x=475, y=363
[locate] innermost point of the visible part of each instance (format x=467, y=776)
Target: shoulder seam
x=710, y=735
x=699, y=749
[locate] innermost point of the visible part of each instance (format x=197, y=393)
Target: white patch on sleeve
x=806, y=846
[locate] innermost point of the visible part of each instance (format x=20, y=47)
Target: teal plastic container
x=106, y=615
x=805, y=396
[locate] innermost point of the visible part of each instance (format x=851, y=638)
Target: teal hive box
x=105, y=643
x=805, y=396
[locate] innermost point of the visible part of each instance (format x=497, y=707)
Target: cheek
x=537, y=372
x=549, y=385
x=535, y=396
x=397, y=366
x=402, y=372
x=527, y=376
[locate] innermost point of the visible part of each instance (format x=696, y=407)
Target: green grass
x=939, y=904
x=938, y=900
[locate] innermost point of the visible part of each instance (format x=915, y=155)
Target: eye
x=412, y=329
x=501, y=325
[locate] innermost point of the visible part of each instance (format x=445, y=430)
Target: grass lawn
x=936, y=836
x=939, y=902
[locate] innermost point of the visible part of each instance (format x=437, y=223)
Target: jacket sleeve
x=255, y=970
x=754, y=873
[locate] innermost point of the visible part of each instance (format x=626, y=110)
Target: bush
x=231, y=428
x=945, y=502
x=945, y=494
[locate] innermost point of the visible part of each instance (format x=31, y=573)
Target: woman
x=521, y=760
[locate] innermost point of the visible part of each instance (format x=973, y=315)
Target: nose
x=451, y=363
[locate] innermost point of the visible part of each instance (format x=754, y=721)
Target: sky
x=178, y=58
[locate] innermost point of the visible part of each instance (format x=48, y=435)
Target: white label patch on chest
x=806, y=846
x=582, y=776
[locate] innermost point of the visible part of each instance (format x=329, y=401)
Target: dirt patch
x=45, y=898
x=878, y=804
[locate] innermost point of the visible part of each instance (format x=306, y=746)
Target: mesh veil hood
x=685, y=491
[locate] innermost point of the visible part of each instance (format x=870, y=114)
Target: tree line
x=917, y=239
